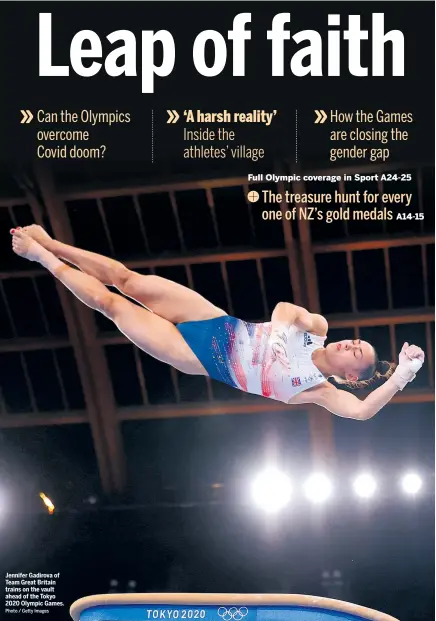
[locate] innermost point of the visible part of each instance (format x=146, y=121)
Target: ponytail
x=377, y=374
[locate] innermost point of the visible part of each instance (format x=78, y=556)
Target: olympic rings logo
x=233, y=613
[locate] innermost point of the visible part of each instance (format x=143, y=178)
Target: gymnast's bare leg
x=148, y=331
x=166, y=298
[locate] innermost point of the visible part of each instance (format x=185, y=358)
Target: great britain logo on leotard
x=296, y=381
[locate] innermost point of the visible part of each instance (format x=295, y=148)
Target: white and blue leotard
x=241, y=355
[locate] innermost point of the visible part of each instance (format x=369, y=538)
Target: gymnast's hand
x=411, y=360
x=411, y=352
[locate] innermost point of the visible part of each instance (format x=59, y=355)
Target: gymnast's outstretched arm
x=348, y=406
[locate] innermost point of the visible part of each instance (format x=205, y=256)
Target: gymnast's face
x=350, y=359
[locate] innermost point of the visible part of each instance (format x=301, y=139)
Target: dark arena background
x=152, y=473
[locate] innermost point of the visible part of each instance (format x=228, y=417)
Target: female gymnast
x=285, y=359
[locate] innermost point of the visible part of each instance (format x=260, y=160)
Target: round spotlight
x=365, y=485
x=271, y=490
x=411, y=483
x=318, y=488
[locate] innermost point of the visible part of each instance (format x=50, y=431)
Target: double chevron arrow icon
x=173, y=116
x=27, y=116
x=321, y=116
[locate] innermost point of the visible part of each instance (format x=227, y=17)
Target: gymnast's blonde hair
x=375, y=375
